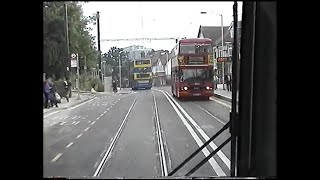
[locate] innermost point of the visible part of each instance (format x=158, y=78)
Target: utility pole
x=222, y=50
x=85, y=65
x=120, y=70
x=78, y=73
x=68, y=62
x=99, y=47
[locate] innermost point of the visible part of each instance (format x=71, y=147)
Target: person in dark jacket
x=228, y=80
x=46, y=91
x=114, y=85
x=52, y=95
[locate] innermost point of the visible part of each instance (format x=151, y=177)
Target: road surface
x=140, y=134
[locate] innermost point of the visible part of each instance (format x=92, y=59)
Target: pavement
x=76, y=139
x=73, y=101
x=223, y=94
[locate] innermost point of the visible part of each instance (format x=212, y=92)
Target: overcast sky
x=136, y=19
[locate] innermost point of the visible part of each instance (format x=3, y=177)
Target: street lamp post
x=78, y=73
x=120, y=71
x=221, y=44
x=67, y=41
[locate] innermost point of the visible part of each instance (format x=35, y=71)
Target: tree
x=80, y=40
x=112, y=58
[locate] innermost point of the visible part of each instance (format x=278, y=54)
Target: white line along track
x=205, y=151
x=112, y=145
x=163, y=163
x=220, y=154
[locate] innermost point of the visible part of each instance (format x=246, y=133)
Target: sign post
x=78, y=73
x=75, y=63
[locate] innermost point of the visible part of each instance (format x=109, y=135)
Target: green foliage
x=112, y=59
x=55, y=57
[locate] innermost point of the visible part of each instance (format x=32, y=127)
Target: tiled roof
x=214, y=33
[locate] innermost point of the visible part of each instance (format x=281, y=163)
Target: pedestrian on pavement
x=216, y=81
x=70, y=87
x=114, y=85
x=46, y=91
x=52, y=95
x=66, y=89
x=229, y=81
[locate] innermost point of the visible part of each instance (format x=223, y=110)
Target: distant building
x=215, y=34
x=159, y=60
x=136, y=52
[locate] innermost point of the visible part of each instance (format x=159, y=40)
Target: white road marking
x=105, y=111
x=98, y=118
x=96, y=164
x=73, y=122
x=69, y=108
x=51, y=114
x=70, y=144
x=79, y=135
x=222, y=156
x=53, y=123
x=98, y=170
x=66, y=117
x=82, y=104
x=220, y=102
x=77, y=123
x=211, y=114
x=108, y=109
x=93, y=122
x=63, y=123
x=87, y=129
x=205, y=151
x=74, y=117
x=101, y=115
x=160, y=142
x=56, y=158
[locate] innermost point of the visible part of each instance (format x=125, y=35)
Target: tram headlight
x=185, y=88
x=208, y=88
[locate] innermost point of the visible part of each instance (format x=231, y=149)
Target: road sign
x=222, y=59
x=74, y=63
x=74, y=60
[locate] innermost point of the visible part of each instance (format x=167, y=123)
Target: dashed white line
x=56, y=158
x=79, y=135
x=74, y=117
x=108, y=109
x=70, y=144
x=82, y=104
x=73, y=122
x=105, y=111
x=98, y=117
x=77, y=123
x=87, y=129
x=93, y=122
x=63, y=123
x=101, y=115
x=51, y=114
